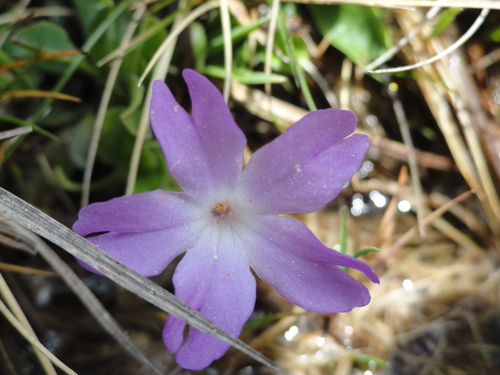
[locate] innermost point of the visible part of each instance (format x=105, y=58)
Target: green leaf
x=343, y=230
x=87, y=10
x=448, y=16
x=495, y=35
x=116, y=144
x=43, y=36
x=40, y=37
x=151, y=35
x=245, y=76
x=77, y=61
x=260, y=321
x=79, y=141
x=296, y=49
x=130, y=117
x=153, y=173
x=112, y=37
x=198, y=39
x=237, y=33
x=357, y=31
x=365, y=359
x=65, y=182
x=365, y=250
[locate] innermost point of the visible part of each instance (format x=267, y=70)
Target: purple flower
x=226, y=220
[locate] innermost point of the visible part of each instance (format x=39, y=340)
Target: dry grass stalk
x=19, y=315
x=467, y=154
x=478, y=4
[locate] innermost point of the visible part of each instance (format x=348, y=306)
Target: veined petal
x=288, y=256
x=214, y=278
x=307, y=166
x=147, y=253
x=204, y=151
x=222, y=139
x=144, y=231
x=136, y=213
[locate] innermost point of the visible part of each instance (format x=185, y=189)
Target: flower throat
x=221, y=209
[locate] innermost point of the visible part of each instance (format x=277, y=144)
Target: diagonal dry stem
x=19, y=211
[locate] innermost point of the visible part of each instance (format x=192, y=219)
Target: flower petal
x=204, y=151
x=307, y=166
x=146, y=253
x=214, y=278
x=288, y=256
x=136, y=213
x=145, y=231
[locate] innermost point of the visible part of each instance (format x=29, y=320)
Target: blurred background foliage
x=51, y=47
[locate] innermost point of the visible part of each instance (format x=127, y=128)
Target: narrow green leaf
x=343, y=230
x=237, y=33
x=199, y=42
x=245, y=76
x=36, y=128
x=130, y=117
x=365, y=359
x=365, y=250
x=286, y=37
x=448, y=16
x=260, y=321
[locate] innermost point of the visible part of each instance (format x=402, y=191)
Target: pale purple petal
x=307, y=166
x=214, y=278
x=288, y=256
x=222, y=140
x=147, y=253
x=136, y=213
x=203, y=152
x=144, y=231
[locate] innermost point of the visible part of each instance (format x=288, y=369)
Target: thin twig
x=22, y=330
x=345, y=84
x=386, y=56
x=25, y=270
x=15, y=132
x=18, y=313
x=473, y=4
x=426, y=221
x=404, y=128
x=318, y=77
